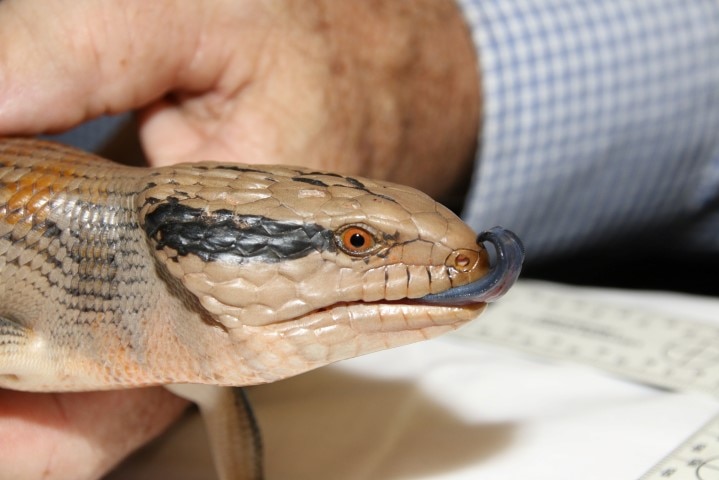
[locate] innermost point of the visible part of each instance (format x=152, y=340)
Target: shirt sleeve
x=601, y=120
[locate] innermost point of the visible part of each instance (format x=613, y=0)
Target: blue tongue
x=507, y=265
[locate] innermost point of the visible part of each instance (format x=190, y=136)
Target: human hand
x=78, y=435
x=373, y=87
x=379, y=88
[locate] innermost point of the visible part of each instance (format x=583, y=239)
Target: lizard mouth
x=447, y=309
x=345, y=330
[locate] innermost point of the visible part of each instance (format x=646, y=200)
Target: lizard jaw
x=347, y=330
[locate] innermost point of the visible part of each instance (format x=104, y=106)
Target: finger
x=78, y=435
x=67, y=61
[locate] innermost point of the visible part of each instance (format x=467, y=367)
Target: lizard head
x=304, y=268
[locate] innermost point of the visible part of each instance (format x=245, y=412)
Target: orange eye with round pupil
x=355, y=240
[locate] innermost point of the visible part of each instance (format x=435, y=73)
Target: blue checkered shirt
x=601, y=121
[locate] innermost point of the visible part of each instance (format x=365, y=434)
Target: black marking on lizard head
x=238, y=238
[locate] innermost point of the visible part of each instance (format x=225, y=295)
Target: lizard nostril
x=462, y=260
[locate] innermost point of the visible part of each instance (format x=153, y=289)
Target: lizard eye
x=356, y=240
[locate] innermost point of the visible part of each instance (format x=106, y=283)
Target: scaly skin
x=95, y=296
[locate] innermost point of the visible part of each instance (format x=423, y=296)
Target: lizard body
x=220, y=275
